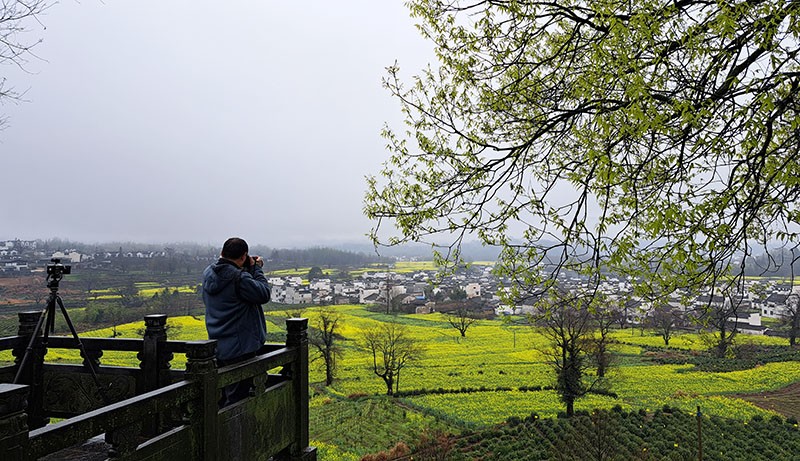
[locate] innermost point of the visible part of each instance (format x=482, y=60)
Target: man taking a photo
x=234, y=288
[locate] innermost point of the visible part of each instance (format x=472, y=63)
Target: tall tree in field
x=129, y=294
x=323, y=338
x=791, y=317
x=567, y=320
x=461, y=319
x=719, y=314
x=603, y=317
x=791, y=314
x=665, y=320
x=654, y=138
x=392, y=349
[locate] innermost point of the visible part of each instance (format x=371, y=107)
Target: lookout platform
x=153, y=412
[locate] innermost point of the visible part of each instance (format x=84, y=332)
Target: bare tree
x=15, y=20
x=719, y=313
x=91, y=282
x=604, y=316
x=664, y=319
x=323, y=338
x=392, y=350
x=388, y=290
x=36, y=290
x=461, y=319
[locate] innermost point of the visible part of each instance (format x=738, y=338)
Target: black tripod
x=55, y=272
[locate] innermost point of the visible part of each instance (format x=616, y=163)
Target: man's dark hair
x=234, y=248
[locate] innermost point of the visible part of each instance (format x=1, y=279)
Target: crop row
x=619, y=435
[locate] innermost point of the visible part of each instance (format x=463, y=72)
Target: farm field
x=483, y=379
x=664, y=434
x=488, y=358
x=463, y=385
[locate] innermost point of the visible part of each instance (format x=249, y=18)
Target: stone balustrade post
x=154, y=362
x=32, y=374
x=297, y=337
x=201, y=368
x=13, y=421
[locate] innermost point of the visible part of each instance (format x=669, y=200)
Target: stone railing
x=153, y=412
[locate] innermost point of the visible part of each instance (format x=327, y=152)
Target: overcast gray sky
x=193, y=121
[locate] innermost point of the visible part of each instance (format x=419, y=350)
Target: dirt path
x=785, y=401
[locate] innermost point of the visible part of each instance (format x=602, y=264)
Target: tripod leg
x=50, y=325
x=87, y=361
x=29, y=349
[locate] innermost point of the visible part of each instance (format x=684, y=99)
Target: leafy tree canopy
x=654, y=138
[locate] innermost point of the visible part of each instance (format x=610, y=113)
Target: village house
x=774, y=306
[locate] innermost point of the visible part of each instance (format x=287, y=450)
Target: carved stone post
x=13, y=421
x=92, y=357
x=200, y=367
x=154, y=362
x=32, y=374
x=297, y=337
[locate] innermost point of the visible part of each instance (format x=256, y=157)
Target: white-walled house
x=14, y=266
x=473, y=290
x=275, y=282
x=366, y=293
x=295, y=280
x=321, y=284
x=72, y=256
x=774, y=306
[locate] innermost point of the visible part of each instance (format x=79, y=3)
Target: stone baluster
x=13, y=421
x=201, y=368
x=32, y=374
x=155, y=364
x=154, y=360
x=297, y=337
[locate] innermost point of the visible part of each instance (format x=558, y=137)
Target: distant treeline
x=188, y=256
x=777, y=263
x=184, y=248
x=320, y=256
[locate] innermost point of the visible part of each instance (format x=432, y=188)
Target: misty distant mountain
x=471, y=251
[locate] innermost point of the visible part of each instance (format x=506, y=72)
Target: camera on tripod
x=56, y=269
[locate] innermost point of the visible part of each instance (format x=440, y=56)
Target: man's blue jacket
x=233, y=299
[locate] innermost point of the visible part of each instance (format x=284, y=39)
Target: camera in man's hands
x=56, y=269
x=250, y=261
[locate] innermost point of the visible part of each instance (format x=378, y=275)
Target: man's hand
x=256, y=260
